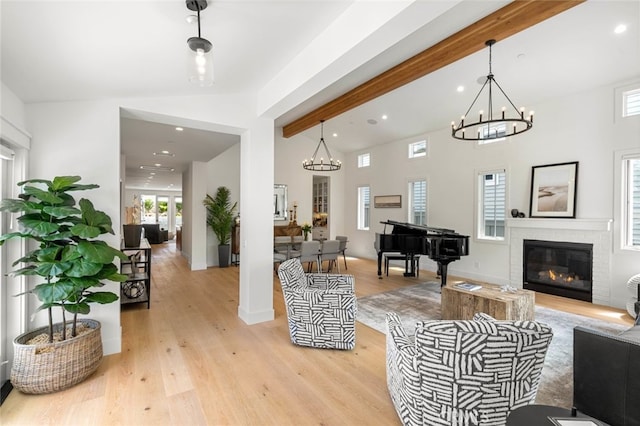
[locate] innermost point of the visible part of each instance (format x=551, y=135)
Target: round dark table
x=535, y=415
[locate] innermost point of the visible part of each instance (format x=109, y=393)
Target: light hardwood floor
x=190, y=360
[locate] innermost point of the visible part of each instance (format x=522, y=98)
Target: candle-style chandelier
x=320, y=165
x=487, y=127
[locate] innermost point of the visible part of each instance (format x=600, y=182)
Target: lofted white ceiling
x=91, y=49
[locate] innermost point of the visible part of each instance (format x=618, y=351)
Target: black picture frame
x=554, y=189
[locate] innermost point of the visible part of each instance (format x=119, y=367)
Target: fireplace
x=559, y=268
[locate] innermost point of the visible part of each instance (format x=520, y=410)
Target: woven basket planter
x=52, y=367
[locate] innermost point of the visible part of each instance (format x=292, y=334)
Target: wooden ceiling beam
x=507, y=21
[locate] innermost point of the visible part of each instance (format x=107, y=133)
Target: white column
x=256, y=234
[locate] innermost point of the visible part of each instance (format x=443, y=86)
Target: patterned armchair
x=464, y=372
x=321, y=308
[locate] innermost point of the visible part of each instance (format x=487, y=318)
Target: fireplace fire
x=559, y=268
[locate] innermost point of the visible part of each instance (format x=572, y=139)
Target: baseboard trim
x=6, y=389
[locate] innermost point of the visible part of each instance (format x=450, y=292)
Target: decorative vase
x=132, y=234
x=52, y=367
x=224, y=252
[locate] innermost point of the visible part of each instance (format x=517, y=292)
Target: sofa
x=606, y=369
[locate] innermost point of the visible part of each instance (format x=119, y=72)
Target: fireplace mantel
x=572, y=224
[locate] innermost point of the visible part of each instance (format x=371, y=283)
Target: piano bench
x=416, y=262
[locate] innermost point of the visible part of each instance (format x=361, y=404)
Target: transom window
x=364, y=160
x=631, y=103
x=418, y=149
x=498, y=129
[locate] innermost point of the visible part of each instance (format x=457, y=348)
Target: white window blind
x=492, y=208
x=631, y=103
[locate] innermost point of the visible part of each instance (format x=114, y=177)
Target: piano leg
x=442, y=267
x=409, y=262
x=380, y=265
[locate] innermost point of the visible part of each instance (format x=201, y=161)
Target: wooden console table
x=502, y=305
x=286, y=230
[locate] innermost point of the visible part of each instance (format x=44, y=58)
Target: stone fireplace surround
x=591, y=231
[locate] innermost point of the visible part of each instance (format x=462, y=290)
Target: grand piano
x=441, y=245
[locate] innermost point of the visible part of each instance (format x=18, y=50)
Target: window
x=499, y=129
x=418, y=202
x=364, y=160
x=163, y=212
x=364, y=207
x=492, y=205
x=631, y=103
x=631, y=201
x=418, y=149
x=6, y=184
x=148, y=209
x=178, y=210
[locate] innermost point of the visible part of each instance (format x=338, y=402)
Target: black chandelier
x=490, y=127
x=321, y=166
x=200, y=63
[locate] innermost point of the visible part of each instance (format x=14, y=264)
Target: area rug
x=422, y=302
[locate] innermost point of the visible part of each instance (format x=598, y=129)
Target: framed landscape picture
x=386, y=201
x=553, y=190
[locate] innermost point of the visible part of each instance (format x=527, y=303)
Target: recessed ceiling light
x=460, y=89
x=372, y=121
x=164, y=153
x=157, y=168
x=335, y=135
x=384, y=116
x=179, y=129
x=620, y=29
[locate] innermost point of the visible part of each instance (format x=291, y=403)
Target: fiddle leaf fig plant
x=68, y=258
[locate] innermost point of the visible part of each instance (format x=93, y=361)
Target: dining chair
x=329, y=253
x=297, y=240
x=282, y=245
x=310, y=253
x=343, y=248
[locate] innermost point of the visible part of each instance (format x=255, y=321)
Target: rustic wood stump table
x=458, y=303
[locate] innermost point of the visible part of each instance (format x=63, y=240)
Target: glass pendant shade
x=200, y=61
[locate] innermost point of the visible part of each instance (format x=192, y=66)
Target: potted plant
x=69, y=263
x=306, y=230
x=220, y=218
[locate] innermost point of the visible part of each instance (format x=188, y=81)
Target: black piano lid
x=414, y=227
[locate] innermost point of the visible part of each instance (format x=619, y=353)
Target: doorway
x=320, y=202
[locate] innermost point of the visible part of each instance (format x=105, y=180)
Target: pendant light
x=320, y=165
x=508, y=123
x=200, y=57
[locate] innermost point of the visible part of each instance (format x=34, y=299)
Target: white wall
x=82, y=138
x=224, y=170
x=12, y=119
x=580, y=128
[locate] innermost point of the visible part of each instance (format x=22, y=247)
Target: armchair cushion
x=321, y=308
x=464, y=372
